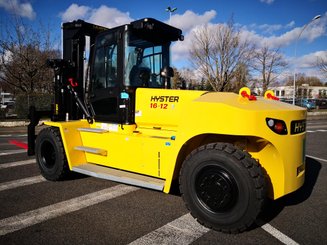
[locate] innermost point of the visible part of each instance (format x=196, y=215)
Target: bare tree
x=268, y=62
x=322, y=64
x=178, y=82
x=23, y=55
x=240, y=79
x=301, y=79
x=217, y=51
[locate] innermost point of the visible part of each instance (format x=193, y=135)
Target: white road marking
x=12, y=152
x=316, y=158
x=183, y=230
x=13, y=135
x=316, y=131
x=24, y=220
x=278, y=235
x=21, y=182
x=15, y=164
x=186, y=229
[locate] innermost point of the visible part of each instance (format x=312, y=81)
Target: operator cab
x=124, y=59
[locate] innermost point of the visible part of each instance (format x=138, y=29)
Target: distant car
x=10, y=109
x=310, y=104
x=289, y=101
x=321, y=103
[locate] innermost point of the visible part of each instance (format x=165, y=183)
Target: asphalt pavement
x=87, y=210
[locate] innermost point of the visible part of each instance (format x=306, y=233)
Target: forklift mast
x=68, y=77
x=69, y=72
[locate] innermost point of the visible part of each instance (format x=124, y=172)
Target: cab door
x=105, y=88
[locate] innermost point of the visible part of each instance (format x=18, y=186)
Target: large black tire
x=50, y=155
x=223, y=187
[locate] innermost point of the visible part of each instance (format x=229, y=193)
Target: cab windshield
x=143, y=62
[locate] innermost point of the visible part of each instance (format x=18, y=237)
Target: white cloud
x=267, y=1
x=189, y=19
x=109, y=17
x=269, y=29
x=309, y=33
x=187, y=22
x=310, y=60
x=7, y=56
x=290, y=25
x=75, y=12
x=104, y=16
x=16, y=7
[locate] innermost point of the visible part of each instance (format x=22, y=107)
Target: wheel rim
x=216, y=189
x=48, y=155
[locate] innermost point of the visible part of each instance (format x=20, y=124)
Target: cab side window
x=105, y=67
x=104, y=78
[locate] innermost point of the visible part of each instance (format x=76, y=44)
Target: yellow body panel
x=71, y=138
x=167, y=121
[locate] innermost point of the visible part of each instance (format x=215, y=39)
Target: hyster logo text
x=298, y=126
x=164, y=98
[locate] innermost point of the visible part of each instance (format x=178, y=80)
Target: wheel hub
x=48, y=155
x=216, y=189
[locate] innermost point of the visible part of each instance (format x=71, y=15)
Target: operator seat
x=139, y=76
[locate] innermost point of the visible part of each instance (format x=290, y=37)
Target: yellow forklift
x=117, y=118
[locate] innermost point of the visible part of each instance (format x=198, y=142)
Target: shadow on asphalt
x=273, y=208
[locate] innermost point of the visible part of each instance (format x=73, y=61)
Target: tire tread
x=254, y=170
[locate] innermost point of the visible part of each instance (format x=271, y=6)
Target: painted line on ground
x=19, y=143
x=316, y=131
x=24, y=220
x=183, y=230
x=15, y=164
x=21, y=182
x=12, y=135
x=186, y=229
x=12, y=152
x=317, y=158
x=278, y=235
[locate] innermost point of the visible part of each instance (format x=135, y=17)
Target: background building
x=303, y=91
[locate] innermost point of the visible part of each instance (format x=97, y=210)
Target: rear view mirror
x=167, y=72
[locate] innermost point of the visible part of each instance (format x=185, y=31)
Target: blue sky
x=275, y=22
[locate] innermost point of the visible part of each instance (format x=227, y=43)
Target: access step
x=97, y=151
x=93, y=130
x=120, y=176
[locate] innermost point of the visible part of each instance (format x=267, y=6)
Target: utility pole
x=170, y=10
x=298, y=37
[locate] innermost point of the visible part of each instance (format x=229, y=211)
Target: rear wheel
x=50, y=154
x=223, y=187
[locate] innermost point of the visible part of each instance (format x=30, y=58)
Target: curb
x=23, y=123
x=14, y=124
x=317, y=115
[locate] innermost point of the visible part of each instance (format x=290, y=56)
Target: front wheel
x=50, y=155
x=223, y=187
